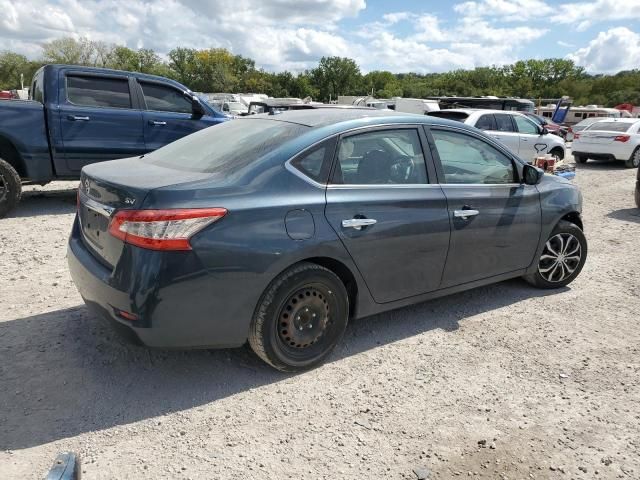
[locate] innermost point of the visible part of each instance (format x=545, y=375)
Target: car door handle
x=157, y=123
x=358, y=223
x=78, y=118
x=465, y=213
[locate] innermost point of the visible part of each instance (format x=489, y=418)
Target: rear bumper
x=603, y=153
x=178, y=304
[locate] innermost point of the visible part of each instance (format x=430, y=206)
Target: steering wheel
x=402, y=169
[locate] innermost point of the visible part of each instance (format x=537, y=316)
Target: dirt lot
x=499, y=382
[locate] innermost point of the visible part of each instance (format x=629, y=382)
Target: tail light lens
x=621, y=138
x=576, y=136
x=162, y=229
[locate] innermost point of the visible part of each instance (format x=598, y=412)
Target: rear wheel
x=10, y=188
x=634, y=160
x=580, y=158
x=562, y=257
x=300, y=318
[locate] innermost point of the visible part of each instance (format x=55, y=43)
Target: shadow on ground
x=45, y=202
x=601, y=165
x=626, y=214
x=65, y=373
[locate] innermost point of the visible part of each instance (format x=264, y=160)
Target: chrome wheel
x=635, y=160
x=4, y=188
x=560, y=258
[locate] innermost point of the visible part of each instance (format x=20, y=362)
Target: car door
x=99, y=118
x=495, y=219
x=389, y=217
x=168, y=115
x=504, y=131
x=532, y=142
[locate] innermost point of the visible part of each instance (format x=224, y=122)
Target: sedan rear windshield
x=610, y=126
x=226, y=148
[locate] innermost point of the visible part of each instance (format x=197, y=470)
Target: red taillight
x=576, y=136
x=162, y=229
x=621, y=138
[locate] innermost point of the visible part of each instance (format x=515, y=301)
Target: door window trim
x=517, y=163
x=143, y=99
x=71, y=73
x=426, y=155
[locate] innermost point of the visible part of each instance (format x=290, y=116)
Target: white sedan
x=520, y=135
x=610, y=139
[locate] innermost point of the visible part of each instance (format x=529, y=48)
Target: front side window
x=470, y=160
x=96, y=91
x=165, y=99
x=504, y=123
x=385, y=157
x=525, y=126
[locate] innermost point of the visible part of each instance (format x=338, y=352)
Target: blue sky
x=400, y=36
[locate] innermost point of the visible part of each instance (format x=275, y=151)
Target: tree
x=336, y=76
x=68, y=50
x=11, y=66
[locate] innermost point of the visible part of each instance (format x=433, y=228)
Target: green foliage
x=218, y=70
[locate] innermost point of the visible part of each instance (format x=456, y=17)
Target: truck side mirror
x=196, y=107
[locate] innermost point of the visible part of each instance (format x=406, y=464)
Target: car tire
x=634, y=160
x=557, y=265
x=637, y=196
x=580, y=158
x=300, y=318
x=10, y=188
x=557, y=152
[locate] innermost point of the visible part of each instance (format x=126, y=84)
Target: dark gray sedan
x=277, y=229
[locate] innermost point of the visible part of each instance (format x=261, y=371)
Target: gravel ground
x=499, y=382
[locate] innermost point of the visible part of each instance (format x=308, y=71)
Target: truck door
x=169, y=115
x=99, y=119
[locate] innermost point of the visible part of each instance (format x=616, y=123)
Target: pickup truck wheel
x=10, y=188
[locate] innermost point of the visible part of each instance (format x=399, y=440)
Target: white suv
x=521, y=135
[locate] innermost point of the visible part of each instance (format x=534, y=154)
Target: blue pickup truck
x=81, y=115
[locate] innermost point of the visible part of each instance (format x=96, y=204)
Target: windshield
x=236, y=106
x=610, y=126
x=226, y=148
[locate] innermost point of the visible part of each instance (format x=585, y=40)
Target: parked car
x=81, y=115
x=579, y=127
x=550, y=125
x=280, y=228
x=520, y=134
x=612, y=139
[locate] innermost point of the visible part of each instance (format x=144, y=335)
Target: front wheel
x=10, y=188
x=634, y=160
x=558, y=153
x=562, y=257
x=300, y=318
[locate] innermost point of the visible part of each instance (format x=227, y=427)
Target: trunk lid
x=600, y=137
x=119, y=184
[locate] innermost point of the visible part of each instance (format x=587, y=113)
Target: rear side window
x=37, y=92
x=165, y=99
x=504, y=123
x=315, y=163
x=226, y=148
x=470, y=160
x=486, y=122
x=610, y=126
x=384, y=157
x=93, y=91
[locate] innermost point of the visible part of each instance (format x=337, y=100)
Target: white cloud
x=611, y=51
x=585, y=14
x=505, y=9
x=395, y=17
x=565, y=44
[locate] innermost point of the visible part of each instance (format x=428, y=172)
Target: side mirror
x=543, y=130
x=196, y=107
x=531, y=175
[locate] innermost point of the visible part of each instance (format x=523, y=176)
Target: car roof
x=331, y=114
x=618, y=120
x=469, y=111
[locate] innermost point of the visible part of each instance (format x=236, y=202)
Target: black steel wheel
x=300, y=318
x=562, y=258
x=10, y=188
